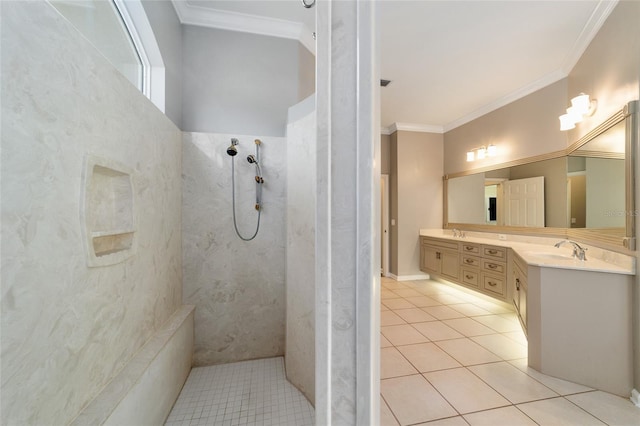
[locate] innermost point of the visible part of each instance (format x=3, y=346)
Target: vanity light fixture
x=581, y=106
x=482, y=152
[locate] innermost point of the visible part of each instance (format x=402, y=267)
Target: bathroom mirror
x=584, y=192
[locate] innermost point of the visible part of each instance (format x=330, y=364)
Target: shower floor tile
x=242, y=393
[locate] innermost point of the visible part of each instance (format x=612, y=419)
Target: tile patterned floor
x=448, y=358
x=451, y=358
x=241, y=393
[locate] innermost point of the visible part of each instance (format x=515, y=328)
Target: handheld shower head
x=232, y=150
x=251, y=159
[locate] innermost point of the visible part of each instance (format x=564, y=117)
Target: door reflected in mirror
x=583, y=190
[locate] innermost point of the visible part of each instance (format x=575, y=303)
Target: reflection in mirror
x=596, y=182
x=586, y=192
x=530, y=195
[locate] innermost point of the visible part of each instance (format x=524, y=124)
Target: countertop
x=540, y=251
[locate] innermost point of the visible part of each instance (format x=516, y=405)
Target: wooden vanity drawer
x=451, y=245
x=471, y=261
x=470, y=277
x=493, y=266
x=470, y=248
x=494, y=252
x=493, y=284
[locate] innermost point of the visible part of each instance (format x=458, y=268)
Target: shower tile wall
x=238, y=287
x=67, y=329
x=301, y=214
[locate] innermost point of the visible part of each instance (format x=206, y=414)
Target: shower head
x=232, y=150
x=251, y=159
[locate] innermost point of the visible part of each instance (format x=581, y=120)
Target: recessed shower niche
x=108, y=212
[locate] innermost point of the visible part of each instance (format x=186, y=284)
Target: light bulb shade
x=482, y=152
x=470, y=156
x=581, y=104
x=492, y=150
x=575, y=115
x=567, y=122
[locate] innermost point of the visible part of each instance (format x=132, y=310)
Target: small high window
x=121, y=32
x=102, y=24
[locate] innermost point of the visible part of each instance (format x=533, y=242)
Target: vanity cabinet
x=480, y=267
x=520, y=289
x=440, y=257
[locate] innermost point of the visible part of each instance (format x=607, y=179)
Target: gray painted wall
x=415, y=184
x=241, y=83
x=168, y=32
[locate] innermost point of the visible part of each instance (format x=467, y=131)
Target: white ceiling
x=452, y=61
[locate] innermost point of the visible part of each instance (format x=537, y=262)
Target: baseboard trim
x=408, y=277
x=635, y=398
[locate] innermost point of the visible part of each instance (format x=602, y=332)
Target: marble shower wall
x=67, y=329
x=237, y=286
x=301, y=207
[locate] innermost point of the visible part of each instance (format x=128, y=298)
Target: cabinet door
x=517, y=279
x=523, y=304
x=430, y=260
x=450, y=264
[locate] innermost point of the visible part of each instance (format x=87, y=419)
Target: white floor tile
x=386, y=416
x=234, y=393
x=402, y=335
x=414, y=315
x=467, y=352
x=469, y=309
x=512, y=383
x=510, y=416
x=468, y=327
x=558, y=411
x=610, y=409
x=428, y=357
x=442, y=312
x=407, y=292
x=502, y=346
x=437, y=330
x=465, y=391
x=497, y=323
x=393, y=364
x=423, y=301
x=397, y=304
x=562, y=387
x=390, y=318
x=413, y=400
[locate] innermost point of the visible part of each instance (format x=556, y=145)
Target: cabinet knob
x=518, y=284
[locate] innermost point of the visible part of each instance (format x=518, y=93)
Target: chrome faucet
x=578, y=251
x=455, y=232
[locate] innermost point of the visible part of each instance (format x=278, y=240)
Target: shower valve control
x=259, y=179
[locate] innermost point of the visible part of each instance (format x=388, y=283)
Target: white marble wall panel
x=67, y=329
x=300, y=274
x=237, y=286
x=347, y=223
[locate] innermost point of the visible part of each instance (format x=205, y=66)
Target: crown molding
x=414, y=127
x=591, y=27
x=189, y=14
x=507, y=99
